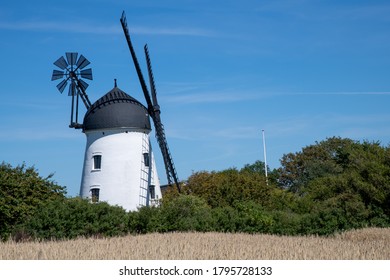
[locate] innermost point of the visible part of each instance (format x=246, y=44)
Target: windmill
x=119, y=165
x=152, y=106
x=72, y=71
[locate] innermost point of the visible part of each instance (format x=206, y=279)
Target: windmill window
x=95, y=195
x=152, y=191
x=97, y=162
x=146, y=159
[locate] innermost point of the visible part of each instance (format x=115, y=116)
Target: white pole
x=265, y=159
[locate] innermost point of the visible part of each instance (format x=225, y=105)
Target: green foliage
x=312, y=162
x=252, y=218
x=226, y=219
x=74, y=217
x=287, y=223
x=22, y=190
x=333, y=185
x=227, y=187
x=146, y=219
x=182, y=213
x=344, y=184
x=186, y=213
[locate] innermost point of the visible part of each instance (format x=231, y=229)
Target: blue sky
x=301, y=70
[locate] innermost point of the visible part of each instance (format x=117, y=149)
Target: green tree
x=225, y=188
x=344, y=184
x=317, y=160
x=22, y=190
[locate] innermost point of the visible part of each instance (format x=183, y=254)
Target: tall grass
x=368, y=244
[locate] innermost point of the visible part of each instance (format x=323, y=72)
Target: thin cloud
x=32, y=134
x=39, y=26
x=192, y=98
x=211, y=97
x=313, y=93
x=339, y=124
x=238, y=132
x=234, y=132
x=197, y=32
x=88, y=28
x=197, y=95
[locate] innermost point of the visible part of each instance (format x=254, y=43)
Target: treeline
x=333, y=185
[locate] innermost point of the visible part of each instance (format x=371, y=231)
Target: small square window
x=97, y=162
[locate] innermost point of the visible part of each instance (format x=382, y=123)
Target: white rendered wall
x=122, y=167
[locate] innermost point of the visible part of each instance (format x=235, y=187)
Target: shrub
x=252, y=218
x=70, y=218
x=226, y=219
x=145, y=220
x=286, y=223
x=22, y=190
x=186, y=213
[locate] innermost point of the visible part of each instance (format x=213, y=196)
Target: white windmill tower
x=119, y=166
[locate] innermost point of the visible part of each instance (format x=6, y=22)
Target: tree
x=347, y=183
x=321, y=159
x=224, y=188
x=257, y=167
x=22, y=190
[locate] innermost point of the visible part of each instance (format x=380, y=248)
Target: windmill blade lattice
x=160, y=132
x=72, y=70
x=153, y=107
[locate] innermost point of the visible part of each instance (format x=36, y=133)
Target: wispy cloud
x=91, y=28
x=28, y=134
x=233, y=132
x=314, y=93
x=367, y=11
x=238, y=132
x=198, y=96
x=40, y=26
x=346, y=125
x=305, y=9
x=209, y=97
x=209, y=93
x=198, y=32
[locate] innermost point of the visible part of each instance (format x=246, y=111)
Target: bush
x=286, y=223
x=226, y=219
x=145, y=220
x=22, y=191
x=252, y=218
x=71, y=218
x=186, y=213
x=335, y=185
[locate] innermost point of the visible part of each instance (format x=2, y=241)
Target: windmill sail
x=136, y=64
x=153, y=108
x=72, y=75
x=160, y=132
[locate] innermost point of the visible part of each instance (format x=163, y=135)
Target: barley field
x=363, y=244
